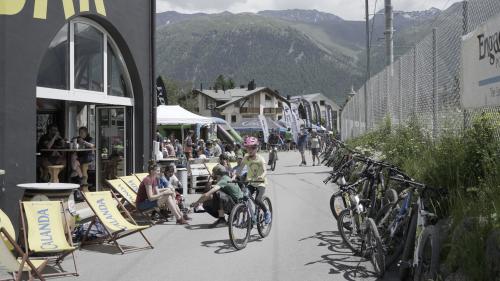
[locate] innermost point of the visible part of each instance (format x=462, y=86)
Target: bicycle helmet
x=219, y=170
x=251, y=141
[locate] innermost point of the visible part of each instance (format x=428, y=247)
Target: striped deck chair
x=9, y=264
x=132, y=181
x=45, y=234
x=103, y=204
x=128, y=197
x=141, y=176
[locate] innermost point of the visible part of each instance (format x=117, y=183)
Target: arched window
x=83, y=63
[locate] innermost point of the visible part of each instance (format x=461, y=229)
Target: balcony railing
x=256, y=110
x=272, y=110
x=253, y=110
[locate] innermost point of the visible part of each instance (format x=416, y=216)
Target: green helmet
x=219, y=170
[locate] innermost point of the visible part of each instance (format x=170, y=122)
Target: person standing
x=301, y=145
x=315, y=145
x=288, y=138
x=188, y=145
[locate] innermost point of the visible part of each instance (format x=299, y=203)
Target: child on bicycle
x=256, y=173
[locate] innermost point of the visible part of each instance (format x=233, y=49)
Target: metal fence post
x=400, y=95
x=415, y=81
x=434, y=84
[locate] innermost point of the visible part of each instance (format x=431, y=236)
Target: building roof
x=233, y=95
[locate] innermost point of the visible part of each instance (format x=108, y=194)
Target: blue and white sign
x=481, y=66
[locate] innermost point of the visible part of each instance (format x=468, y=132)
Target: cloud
x=347, y=9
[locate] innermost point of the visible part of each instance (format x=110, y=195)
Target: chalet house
x=233, y=105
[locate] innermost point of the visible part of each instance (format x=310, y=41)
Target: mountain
x=293, y=51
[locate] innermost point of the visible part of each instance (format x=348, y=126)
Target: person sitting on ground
x=151, y=196
x=221, y=199
x=224, y=161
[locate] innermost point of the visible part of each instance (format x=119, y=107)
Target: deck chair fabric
x=15, y=266
x=9, y=228
x=210, y=167
x=124, y=191
x=132, y=181
x=233, y=164
x=141, y=176
x=45, y=234
x=116, y=225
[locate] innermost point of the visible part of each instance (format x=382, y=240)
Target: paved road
x=303, y=244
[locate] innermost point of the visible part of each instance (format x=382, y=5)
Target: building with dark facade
x=85, y=63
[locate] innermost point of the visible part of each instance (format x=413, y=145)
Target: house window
x=322, y=102
x=233, y=118
x=84, y=63
x=268, y=97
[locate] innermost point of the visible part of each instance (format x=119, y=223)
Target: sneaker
x=218, y=223
x=267, y=217
x=181, y=221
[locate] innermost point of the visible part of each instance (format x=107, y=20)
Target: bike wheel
x=407, y=255
x=392, y=232
x=240, y=225
x=337, y=205
x=428, y=255
x=273, y=162
x=375, y=248
x=348, y=229
x=262, y=227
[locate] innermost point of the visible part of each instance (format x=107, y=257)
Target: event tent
x=176, y=115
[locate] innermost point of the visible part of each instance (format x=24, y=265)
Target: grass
x=467, y=164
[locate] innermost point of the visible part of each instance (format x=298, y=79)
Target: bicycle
x=245, y=215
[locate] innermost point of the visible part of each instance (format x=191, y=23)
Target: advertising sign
x=265, y=128
x=481, y=66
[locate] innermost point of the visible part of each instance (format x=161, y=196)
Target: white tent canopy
x=176, y=115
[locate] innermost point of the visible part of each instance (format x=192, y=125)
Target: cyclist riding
x=273, y=141
x=256, y=174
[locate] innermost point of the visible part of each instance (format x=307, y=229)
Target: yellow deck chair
x=128, y=196
x=103, y=204
x=45, y=234
x=132, y=181
x=8, y=262
x=210, y=167
x=233, y=164
x=141, y=176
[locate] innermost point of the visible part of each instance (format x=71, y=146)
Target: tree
x=179, y=93
x=221, y=83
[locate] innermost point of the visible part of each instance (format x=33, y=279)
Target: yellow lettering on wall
x=11, y=7
x=40, y=11
x=84, y=6
x=69, y=9
x=99, y=6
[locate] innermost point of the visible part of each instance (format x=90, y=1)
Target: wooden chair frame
x=144, y=213
x=112, y=238
x=52, y=257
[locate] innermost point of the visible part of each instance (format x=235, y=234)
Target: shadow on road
x=225, y=246
x=341, y=260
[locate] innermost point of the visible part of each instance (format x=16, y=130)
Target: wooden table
x=49, y=191
x=68, y=152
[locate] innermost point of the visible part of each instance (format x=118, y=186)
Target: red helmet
x=251, y=141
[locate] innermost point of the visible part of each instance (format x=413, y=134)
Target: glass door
x=111, y=143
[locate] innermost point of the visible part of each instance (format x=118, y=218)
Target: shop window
x=53, y=71
x=268, y=97
x=117, y=82
x=89, y=58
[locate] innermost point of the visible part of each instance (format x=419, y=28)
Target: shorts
x=301, y=148
x=147, y=204
x=315, y=151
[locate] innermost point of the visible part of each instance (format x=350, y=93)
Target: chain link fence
x=425, y=82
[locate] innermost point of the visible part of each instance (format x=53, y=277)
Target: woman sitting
x=150, y=196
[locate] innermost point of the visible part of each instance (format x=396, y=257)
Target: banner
x=294, y=111
x=307, y=107
x=265, y=128
x=287, y=116
x=328, y=117
x=317, y=113
x=481, y=66
x=161, y=92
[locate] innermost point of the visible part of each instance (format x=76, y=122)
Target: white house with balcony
x=233, y=105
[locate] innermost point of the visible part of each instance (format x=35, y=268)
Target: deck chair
x=141, y=176
x=128, y=197
x=132, y=181
x=103, y=204
x=8, y=262
x=45, y=235
x=233, y=164
x=210, y=167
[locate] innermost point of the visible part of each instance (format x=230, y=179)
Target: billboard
x=481, y=66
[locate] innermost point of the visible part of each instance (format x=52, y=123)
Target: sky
x=346, y=9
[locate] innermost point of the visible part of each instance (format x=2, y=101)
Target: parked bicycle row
x=383, y=214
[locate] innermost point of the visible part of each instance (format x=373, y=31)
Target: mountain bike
x=245, y=215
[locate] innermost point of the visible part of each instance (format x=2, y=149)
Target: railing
x=256, y=110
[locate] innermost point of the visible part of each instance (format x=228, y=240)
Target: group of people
x=158, y=190
x=79, y=160
x=314, y=143
x=197, y=149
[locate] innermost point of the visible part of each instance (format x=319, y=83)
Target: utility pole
x=367, y=82
x=389, y=30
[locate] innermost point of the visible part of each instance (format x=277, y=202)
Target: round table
x=50, y=191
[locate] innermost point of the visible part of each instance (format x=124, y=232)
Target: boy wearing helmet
x=222, y=197
x=256, y=173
